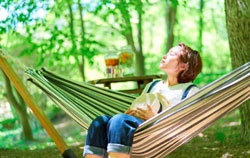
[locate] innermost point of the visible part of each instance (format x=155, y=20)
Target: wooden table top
x=141, y=82
x=124, y=79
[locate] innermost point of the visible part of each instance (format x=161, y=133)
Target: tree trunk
x=83, y=41
x=128, y=33
x=140, y=63
x=170, y=21
x=79, y=59
x=20, y=108
x=201, y=25
x=238, y=28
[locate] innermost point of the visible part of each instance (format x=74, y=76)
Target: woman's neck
x=172, y=81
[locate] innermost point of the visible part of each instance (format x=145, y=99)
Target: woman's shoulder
x=151, y=85
x=192, y=88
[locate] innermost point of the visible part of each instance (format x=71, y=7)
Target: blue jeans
x=111, y=134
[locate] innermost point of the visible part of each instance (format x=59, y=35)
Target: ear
x=183, y=66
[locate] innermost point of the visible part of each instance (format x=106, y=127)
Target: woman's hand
x=130, y=112
x=145, y=114
x=141, y=113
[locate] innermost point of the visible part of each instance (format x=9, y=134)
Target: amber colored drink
x=112, y=62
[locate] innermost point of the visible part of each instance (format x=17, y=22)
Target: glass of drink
x=126, y=60
x=112, y=65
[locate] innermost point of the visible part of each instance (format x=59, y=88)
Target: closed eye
x=171, y=53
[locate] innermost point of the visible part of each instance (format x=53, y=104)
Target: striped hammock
x=160, y=135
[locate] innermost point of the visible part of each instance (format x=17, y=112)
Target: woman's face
x=170, y=61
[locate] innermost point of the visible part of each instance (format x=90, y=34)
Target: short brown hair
x=194, y=64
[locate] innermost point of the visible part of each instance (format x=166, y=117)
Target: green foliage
x=43, y=34
x=20, y=13
x=48, y=39
x=220, y=136
x=8, y=123
x=11, y=139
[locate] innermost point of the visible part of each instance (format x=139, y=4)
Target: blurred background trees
x=71, y=38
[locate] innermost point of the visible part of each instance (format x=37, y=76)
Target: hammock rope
x=160, y=135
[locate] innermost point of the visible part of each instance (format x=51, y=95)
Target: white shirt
x=172, y=93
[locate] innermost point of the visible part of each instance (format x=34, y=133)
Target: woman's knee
x=101, y=119
x=100, y=122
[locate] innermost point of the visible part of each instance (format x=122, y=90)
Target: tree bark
x=170, y=22
x=83, y=41
x=73, y=41
x=19, y=107
x=238, y=28
x=140, y=69
x=201, y=25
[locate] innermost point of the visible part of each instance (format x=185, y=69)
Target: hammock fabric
x=160, y=135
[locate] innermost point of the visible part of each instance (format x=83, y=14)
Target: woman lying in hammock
x=113, y=135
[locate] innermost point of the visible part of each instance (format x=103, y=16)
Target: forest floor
x=221, y=140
